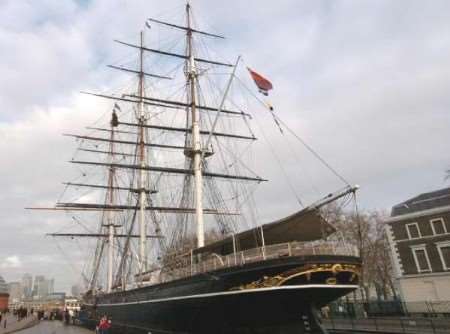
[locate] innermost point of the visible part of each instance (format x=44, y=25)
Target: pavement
x=13, y=325
x=55, y=327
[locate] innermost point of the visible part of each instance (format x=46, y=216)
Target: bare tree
x=381, y=258
x=365, y=231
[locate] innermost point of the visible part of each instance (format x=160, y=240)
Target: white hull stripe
x=235, y=292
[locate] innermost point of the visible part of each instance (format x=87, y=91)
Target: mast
x=110, y=219
x=196, y=144
x=139, y=186
x=110, y=200
x=142, y=172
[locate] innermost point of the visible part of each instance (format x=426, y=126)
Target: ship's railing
x=215, y=261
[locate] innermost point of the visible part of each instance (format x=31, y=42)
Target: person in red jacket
x=104, y=325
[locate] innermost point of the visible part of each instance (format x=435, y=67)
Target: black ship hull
x=273, y=296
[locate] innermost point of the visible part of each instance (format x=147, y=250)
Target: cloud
x=11, y=262
x=365, y=83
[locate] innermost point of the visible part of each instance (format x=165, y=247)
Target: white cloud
x=366, y=83
x=11, y=262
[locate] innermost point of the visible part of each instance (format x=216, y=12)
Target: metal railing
x=215, y=261
x=390, y=325
x=393, y=316
x=388, y=308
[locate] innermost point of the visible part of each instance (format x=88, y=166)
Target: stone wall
x=431, y=287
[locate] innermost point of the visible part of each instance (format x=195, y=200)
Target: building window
x=413, y=231
x=444, y=253
x=438, y=226
x=421, y=258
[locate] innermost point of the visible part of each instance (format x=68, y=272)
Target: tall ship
x=165, y=197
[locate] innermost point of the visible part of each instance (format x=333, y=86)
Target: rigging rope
x=75, y=269
x=286, y=176
x=309, y=148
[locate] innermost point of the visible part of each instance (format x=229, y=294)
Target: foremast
x=110, y=199
x=142, y=163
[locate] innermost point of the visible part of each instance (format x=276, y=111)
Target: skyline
x=365, y=83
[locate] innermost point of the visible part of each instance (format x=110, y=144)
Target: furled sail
x=305, y=225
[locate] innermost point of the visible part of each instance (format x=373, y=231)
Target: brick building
x=4, y=295
x=419, y=236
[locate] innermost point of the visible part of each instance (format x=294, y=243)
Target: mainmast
x=196, y=152
x=142, y=164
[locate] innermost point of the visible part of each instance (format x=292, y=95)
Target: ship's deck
x=190, y=265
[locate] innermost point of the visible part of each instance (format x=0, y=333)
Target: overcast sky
x=366, y=83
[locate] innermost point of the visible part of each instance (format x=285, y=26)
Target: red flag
x=262, y=83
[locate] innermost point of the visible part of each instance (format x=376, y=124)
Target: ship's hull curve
x=214, y=302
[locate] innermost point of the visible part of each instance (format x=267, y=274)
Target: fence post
x=405, y=309
x=234, y=249
x=192, y=262
x=432, y=325
x=332, y=321
x=402, y=325
x=351, y=321
x=376, y=323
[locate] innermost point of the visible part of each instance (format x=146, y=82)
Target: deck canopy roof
x=304, y=225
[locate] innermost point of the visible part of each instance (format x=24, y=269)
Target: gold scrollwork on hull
x=331, y=274
x=331, y=280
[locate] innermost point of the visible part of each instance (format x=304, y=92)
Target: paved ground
x=12, y=325
x=54, y=327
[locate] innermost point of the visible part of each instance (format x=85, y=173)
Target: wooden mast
x=142, y=163
x=196, y=152
x=110, y=199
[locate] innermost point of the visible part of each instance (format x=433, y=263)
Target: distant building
x=15, y=292
x=27, y=286
x=50, y=286
x=72, y=304
x=61, y=296
x=40, y=287
x=76, y=291
x=4, y=295
x=419, y=236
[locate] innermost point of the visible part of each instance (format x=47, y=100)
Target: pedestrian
x=104, y=325
x=66, y=316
